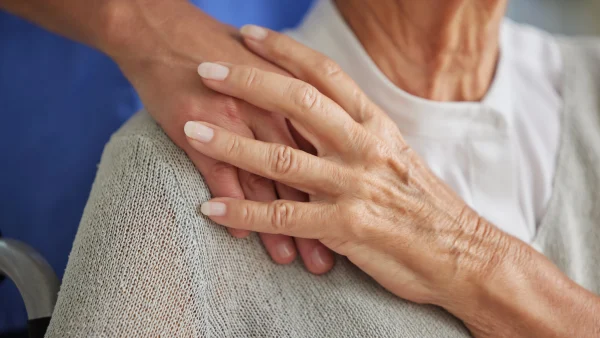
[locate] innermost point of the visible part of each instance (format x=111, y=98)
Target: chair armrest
x=33, y=276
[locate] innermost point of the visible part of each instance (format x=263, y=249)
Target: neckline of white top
x=415, y=116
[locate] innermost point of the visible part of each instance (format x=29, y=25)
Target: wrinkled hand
x=159, y=48
x=372, y=198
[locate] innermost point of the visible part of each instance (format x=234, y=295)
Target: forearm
x=527, y=296
x=82, y=21
x=115, y=27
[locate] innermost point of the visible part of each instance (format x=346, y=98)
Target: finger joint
x=281, y=214
x=329, y=68
x=232, y=147
x=251, y=78
x=283, y=159
x=307, y=97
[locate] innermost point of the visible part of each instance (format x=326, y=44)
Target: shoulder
x=140, y=238
x=143, y=173
x=141, y=147
x=533, y=54
x=584, y=50
x=540, y=50
x=142, y=168
x=141, y=129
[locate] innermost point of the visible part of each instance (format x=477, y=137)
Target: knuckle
x=283, y=159
x=379, y=153
x=247, y=216
x=306, y=97
x=232, y=147
x=329, y=68
x=281, y=214
x=405, y=150
x=363, y=105
x=382, y=151
x=252, y=78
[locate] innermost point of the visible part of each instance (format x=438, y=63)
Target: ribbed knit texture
x=146, y=263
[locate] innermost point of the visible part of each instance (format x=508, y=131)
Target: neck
x=443, y=50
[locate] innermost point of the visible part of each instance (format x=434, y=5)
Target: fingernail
x=254, y=32
x=320, y=257
x=213, y=71
x=285, y=250
x=198, y=131
x=213, y=208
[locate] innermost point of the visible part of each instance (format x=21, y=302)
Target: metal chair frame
x=35, y=279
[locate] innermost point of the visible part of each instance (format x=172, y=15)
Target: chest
x=504, y=170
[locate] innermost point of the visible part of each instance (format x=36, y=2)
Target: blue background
x=59, y=103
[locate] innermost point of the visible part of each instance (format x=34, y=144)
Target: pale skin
x=373, y=200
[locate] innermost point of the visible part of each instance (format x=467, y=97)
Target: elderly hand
x=372, y=198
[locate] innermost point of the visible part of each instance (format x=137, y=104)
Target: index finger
x=281, y=163
x=319, y=119
x=311, y=66
x=312, y=220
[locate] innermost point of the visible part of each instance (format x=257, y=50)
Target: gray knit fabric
x=146, y=263
x=569, y=233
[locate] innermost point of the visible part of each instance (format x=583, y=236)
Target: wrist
x=131, y=28
x=522, y=294
x=114, y=25
x=489, y=266
x=493, y=303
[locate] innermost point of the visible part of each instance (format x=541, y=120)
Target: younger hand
x=158, y=47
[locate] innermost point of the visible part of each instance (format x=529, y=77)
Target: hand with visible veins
x=373, y=200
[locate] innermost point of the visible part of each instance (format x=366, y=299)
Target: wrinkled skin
x=372, y=198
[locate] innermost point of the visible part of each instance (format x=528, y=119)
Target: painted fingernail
x=213, y=208
x=213, y=71
x=198, y=131
x=285, y=250
x=320, y=257
x=254, y=32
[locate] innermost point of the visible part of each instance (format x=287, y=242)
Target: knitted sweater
x=145, y=262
